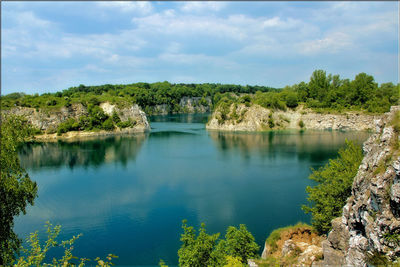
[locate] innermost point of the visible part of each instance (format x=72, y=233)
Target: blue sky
x=50, y=46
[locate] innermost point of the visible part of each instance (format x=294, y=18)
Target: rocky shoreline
x=47, y=121
x=368, y=232
x=257, y=118
x=80, y=135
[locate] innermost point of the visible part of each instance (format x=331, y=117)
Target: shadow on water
x=85, y=153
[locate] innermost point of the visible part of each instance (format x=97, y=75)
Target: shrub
x=334, y=180
x=36, y=254
x=126, y=124
x=108, y=125
x=204, y=250
x=69, y=125
x=291, y=100
x=301, y=124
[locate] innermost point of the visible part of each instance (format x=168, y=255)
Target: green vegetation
x=207, y=250
x=96, y=120
x=36, y=253
x=145, y=95
x=17, y=190
x=327, y=198
x=324, y=93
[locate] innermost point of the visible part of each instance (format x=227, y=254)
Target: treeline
x=143, y=94
x=324, y=92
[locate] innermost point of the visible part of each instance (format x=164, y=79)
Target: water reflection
x=308, y=145
x=82, y=152
x=182, y=118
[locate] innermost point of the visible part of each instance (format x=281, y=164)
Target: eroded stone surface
x=372, y=211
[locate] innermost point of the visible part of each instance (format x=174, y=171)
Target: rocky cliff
x=256, y=118
x=186, y=105
x=48, y=120
x=369, y=230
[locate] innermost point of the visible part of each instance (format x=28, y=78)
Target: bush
x=240, y=243
x=301, y=124
x=291, y=100
x=69, y=125
x=204, y=250
x=36, y=254
x=334, y=181
x=108, y=125
x=126, y=124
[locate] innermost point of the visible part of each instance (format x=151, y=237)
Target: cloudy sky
x=50, y=46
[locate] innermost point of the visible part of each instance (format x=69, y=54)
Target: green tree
x=240, y=243
x=196, y=251
x=327, y=198
x=207, y=250
x=318, y=85
x=364, y=87
x=17, y=190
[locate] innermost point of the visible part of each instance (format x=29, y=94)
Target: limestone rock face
x=185, y=105
x=296, y=246
x=257, y=118
x=48, y=120
x=370, y=223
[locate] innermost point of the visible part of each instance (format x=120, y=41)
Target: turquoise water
x=127, y=195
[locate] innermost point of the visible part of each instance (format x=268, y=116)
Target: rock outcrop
x=257, y=118
x=48, y=120
x=369, y=230
x=185, y=105
x=295, y=246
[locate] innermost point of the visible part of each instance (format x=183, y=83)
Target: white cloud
x=332, y=43
x=201, y=6
x=139, y=7
x=232, y=44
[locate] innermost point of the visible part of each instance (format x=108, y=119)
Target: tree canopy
x=17, y=190
x=209, y=250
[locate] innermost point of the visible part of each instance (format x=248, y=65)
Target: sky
x=51, y=46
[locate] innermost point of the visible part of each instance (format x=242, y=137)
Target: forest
x=322, y=92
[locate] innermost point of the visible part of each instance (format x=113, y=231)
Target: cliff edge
x=368, y=232
x=48, y=120
x=240, y=117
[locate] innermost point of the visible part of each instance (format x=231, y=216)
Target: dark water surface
x=127, y=195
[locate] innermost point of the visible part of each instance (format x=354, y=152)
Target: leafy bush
x=206, y=250
x=69, y=125
x=291, y=100
x=327, y=198
x=36, y=253
x=108, y=125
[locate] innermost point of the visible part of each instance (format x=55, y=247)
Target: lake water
x=127, y=195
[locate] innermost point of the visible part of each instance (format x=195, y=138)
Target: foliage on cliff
x=334, y=181
x=324, y=93
x=143, y=94
x=96, y=120
x=17, y=190
x=207, y=250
